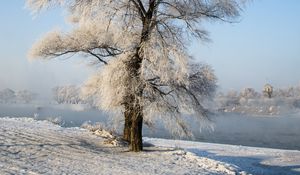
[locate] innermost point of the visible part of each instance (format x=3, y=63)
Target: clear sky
x=264, y=47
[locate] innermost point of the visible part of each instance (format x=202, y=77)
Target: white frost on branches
x=66, y=94
x=89, y=39
x=38, y=5
x=108, y=85
x=119, y=33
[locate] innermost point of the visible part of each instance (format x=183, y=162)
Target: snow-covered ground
x=28, y=146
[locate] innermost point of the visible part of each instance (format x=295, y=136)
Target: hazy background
x=264, y=47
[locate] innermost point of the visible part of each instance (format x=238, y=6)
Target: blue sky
x=264, y=47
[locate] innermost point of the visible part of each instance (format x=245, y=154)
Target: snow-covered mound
x=28, y=146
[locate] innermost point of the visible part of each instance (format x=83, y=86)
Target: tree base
x=136, y=143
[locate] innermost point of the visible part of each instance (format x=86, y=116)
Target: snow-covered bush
x=93, y=127
x=56, y=120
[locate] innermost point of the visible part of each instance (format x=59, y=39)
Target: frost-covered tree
x=10, y=96
x=7, y=96
x=268, y=90
x=143, y=44
x=249, y=93
x=293, y=92
x=25, y=96
x=230, y=99
x=66, y=94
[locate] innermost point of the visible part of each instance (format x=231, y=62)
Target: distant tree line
x=10, y=96
x=269, y=101
x=68, y=94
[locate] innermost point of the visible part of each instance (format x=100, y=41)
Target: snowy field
x=32, y=147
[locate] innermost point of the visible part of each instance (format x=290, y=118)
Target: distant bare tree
x=143, y=44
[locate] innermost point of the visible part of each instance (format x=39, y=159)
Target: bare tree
x=143, y=44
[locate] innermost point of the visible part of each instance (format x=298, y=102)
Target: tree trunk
x=134, y=114
x=127, y=124
x=136, y=143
